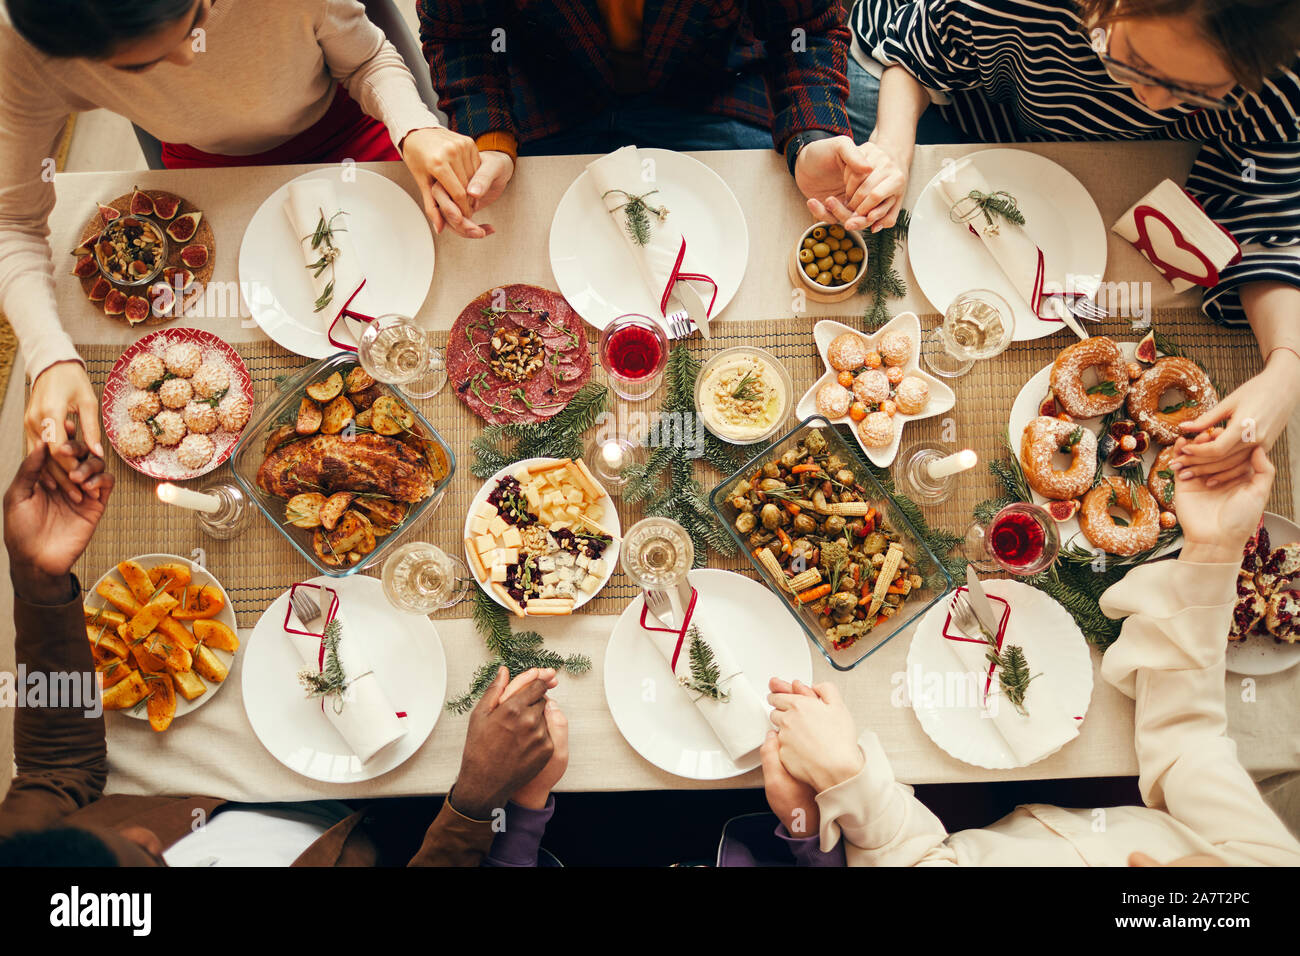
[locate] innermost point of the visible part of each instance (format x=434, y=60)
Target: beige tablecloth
x=214, y=751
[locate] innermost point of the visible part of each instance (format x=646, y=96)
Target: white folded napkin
x=366, y=722
x=1013, y=249
x=741, y=722
x=308, y=200
x=1176, y=235
x=616, y=178
x=1046, y=728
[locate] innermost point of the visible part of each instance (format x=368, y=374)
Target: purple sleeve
x=807, y=851
x=518, y=843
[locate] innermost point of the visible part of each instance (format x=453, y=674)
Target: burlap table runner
x=256, y=567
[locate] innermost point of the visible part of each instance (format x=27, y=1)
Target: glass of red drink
x=633, y=352
x=1021, y=540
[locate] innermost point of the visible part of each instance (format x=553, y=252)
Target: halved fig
x=1048, y=406
x=1146, y=349
x=195, y=255
x=85, y=267
x=178, y=278
x=1063, y=510
x=141, y=204
x=166, y=206
x=87, y=245
x=137, y=309
x=100, y=290
x=162, y=299
x=108, y=213
x=1143, y=442
x=1121, y=427
x=182, y=228
x=115, y=302
x=1123, y=457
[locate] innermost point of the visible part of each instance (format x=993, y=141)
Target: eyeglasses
x=1124, y=73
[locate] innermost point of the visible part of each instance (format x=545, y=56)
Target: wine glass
x=977, y=325
x=633, y=352
x=657, y=554
x=422, y=578
x=396, y=351
x=1021, y=540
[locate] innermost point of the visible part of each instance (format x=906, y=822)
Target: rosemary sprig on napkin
x=704, y=668
x=636, y=214
x=323, y=240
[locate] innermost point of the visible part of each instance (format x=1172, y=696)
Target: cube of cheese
x=550, y=577
x=573, y=511
x=590, y=583
x=508, y=555
x=546, y=563
x=597, y=567
x=547, y=591
x=564, y=559
x=486, y=509
x=523, y=475
x=582, y=561
x=573, y=496
x=559, y=525
x=484, y=544
x=595, y=511
x=511, y=538
x=533, y=496
x=497, y=525
x=564, y=574
x=498, y=573
x=564, y=589
x=478, y=525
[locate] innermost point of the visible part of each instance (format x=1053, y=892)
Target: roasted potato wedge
x=368, y=541
x=309, y=418
x=364, y=417
x=118, y=595
x=113, y=671
x=333, y=509
x=209, y=666
x=137, y=579
x=349, y=532
x=215, y=634
x=162, y=700
x=176, y=575
x=199, y=601
x=126, y=692
x=303, y=511
x=391, y=417
x=104, y=639
x=321, y=547
x=326, y=389
x=336, y=416
x=148, y=617
x=280, y=436
x=176, y=632
x=357, y=380
x=188, y=684
x=366, y=397
x=95, y=616
x=173, y=656
x=381, y=511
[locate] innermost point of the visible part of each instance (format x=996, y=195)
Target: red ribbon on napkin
x=1002, y=633
x=681, y=634
x=346, y=313
x=677, y=275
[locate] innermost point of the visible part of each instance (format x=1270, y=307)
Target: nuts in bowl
x=131, y=251
x=829, y=257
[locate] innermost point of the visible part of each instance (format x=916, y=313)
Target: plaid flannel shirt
x=531, y=68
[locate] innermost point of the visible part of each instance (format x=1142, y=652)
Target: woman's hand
x=537, y=791
x=793, y=801
x=1218, y=514
x=494, y=173
x=859, y=186
x=443, y=163
x=1256, y=413
x=61, y=397
x=819, y=744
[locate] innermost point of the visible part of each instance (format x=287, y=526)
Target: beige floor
x=105, y=141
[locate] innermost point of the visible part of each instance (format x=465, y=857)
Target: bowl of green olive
x=829, y=257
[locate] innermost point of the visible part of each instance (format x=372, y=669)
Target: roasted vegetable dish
x=350, y=458
x=808, y=522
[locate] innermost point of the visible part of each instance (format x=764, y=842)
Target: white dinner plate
x=1059, y=214
x=390, y=235
x=1025, y=408
x=951, y=715
x=1259, y=654
x=406, y=654
x=655, y=715
x=593, y=265
x=941, y=400
x=199, y=575
x=609, y=521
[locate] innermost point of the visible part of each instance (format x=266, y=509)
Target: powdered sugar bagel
x=1068, y=386
x=1170, y=373
x=1100, y=528
x=1042, y=439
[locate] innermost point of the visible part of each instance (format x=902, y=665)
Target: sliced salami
x=518, y=354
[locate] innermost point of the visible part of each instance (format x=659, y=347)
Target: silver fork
x=1085, y=308
x=964, y=617
x=660, y=605
x=304, y=607
x=680, y=324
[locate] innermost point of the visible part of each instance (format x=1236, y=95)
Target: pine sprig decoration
x=666, y=483
x=705, y=673
x=560, y=436
x=330, y=680
x=1013, y=675
x=882, y=280
x=636, y=214
x=516, y=651
x=997, y=203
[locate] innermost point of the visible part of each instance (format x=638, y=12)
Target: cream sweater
x=1170, y=660
x=269, y=71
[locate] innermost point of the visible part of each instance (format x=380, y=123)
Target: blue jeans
x=642, y=121
x=864, y=97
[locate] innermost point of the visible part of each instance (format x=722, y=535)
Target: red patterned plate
x=162, y=462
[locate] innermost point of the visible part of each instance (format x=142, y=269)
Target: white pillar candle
x=612, y=452
x=952, y=465
x=184, y=498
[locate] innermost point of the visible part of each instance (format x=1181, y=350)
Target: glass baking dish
x=249, y=454
x=936, y=582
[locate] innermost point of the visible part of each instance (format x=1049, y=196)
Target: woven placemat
x=260, y=564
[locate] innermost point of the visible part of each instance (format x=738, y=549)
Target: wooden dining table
x=214, y=749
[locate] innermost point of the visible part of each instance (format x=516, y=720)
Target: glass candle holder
x=609, y=460
x=929, y=470
x=633, y=352
x=231, y=518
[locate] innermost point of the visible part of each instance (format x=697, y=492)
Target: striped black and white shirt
x=1021, y=70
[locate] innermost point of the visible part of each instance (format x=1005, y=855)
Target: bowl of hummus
x=743, y=395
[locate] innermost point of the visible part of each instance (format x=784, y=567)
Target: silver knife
x=980, y=602
x=1063, y=312
x=694, y=305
